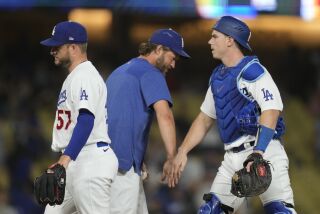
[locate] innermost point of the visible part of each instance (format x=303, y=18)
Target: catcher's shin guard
x=213, y=205
x=279, y=207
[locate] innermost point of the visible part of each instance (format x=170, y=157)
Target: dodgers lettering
x=62, y=97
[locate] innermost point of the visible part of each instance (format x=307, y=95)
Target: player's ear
x=158, y=49
x=73, y=47
x=229, y=40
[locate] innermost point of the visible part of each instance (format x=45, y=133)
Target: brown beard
x=64, y=62
x=161, y=65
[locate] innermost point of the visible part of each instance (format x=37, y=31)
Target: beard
x=63, y=62
x=161, y=65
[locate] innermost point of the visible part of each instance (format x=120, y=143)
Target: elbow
x=165, y=116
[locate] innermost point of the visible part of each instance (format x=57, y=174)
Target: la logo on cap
x=53, y=31
x=249, y=36
x=168, y=34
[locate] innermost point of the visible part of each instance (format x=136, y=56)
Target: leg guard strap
x=279, y=207
x=213, y=205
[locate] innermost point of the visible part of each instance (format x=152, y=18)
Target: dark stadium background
x=286, y=40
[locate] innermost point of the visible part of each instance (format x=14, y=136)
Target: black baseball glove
x=255, y=182
x=49, y=188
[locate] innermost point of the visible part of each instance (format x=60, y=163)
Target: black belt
x=102, y=144
x=242, y=147
x=288, y=205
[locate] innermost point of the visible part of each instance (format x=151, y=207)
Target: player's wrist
x=171, y=154
x=170, y=157
x=182, y=150
x=64, y=160
x=258, y=151
x=265, y=135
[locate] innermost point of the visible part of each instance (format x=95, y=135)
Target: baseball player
x=79, y=130
x=235, y=85
x=137, y=91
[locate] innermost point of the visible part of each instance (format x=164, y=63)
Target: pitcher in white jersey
x=80, y=129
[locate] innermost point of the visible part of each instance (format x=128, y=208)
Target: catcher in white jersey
x=80, y=129
x=244, y=100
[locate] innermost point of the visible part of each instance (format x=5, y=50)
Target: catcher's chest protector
x=228, y=99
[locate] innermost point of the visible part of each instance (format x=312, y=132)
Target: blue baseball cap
x=66, y=33
x=170, y=39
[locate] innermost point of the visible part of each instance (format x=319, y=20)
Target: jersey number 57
x=62, y=116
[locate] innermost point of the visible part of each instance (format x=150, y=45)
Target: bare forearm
x=168, y=133
x=269, y=118
x=166, y=126
x=196, y=133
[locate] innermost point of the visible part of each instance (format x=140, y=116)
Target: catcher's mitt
x=50, y=186
x=255, y=182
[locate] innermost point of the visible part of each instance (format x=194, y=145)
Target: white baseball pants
x=279, y=189
x=88, y=182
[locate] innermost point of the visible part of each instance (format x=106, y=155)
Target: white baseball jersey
x=84, y=88
x=263, y=90
x=266, y=93
x=89, y=177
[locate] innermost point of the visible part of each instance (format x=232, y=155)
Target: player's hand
x=167, y=173
x=248, y=167
x=64, y=160
x=179, y=164
x=144, y=172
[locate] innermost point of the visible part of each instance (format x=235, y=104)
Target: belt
x=242, y=147
x=102, y=144
x=288, y=205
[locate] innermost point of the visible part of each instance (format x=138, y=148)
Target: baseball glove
x=49, y=188
x=255, y=182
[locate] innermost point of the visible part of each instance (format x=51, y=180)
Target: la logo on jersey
x=83, y=94
x=267, y=95
x=62, y=97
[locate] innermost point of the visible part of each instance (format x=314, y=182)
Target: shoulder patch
x=253, y=72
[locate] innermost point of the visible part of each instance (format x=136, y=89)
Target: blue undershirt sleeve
x=81, y=133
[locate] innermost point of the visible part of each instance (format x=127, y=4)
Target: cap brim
x=181, y=53
x=51, y=43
